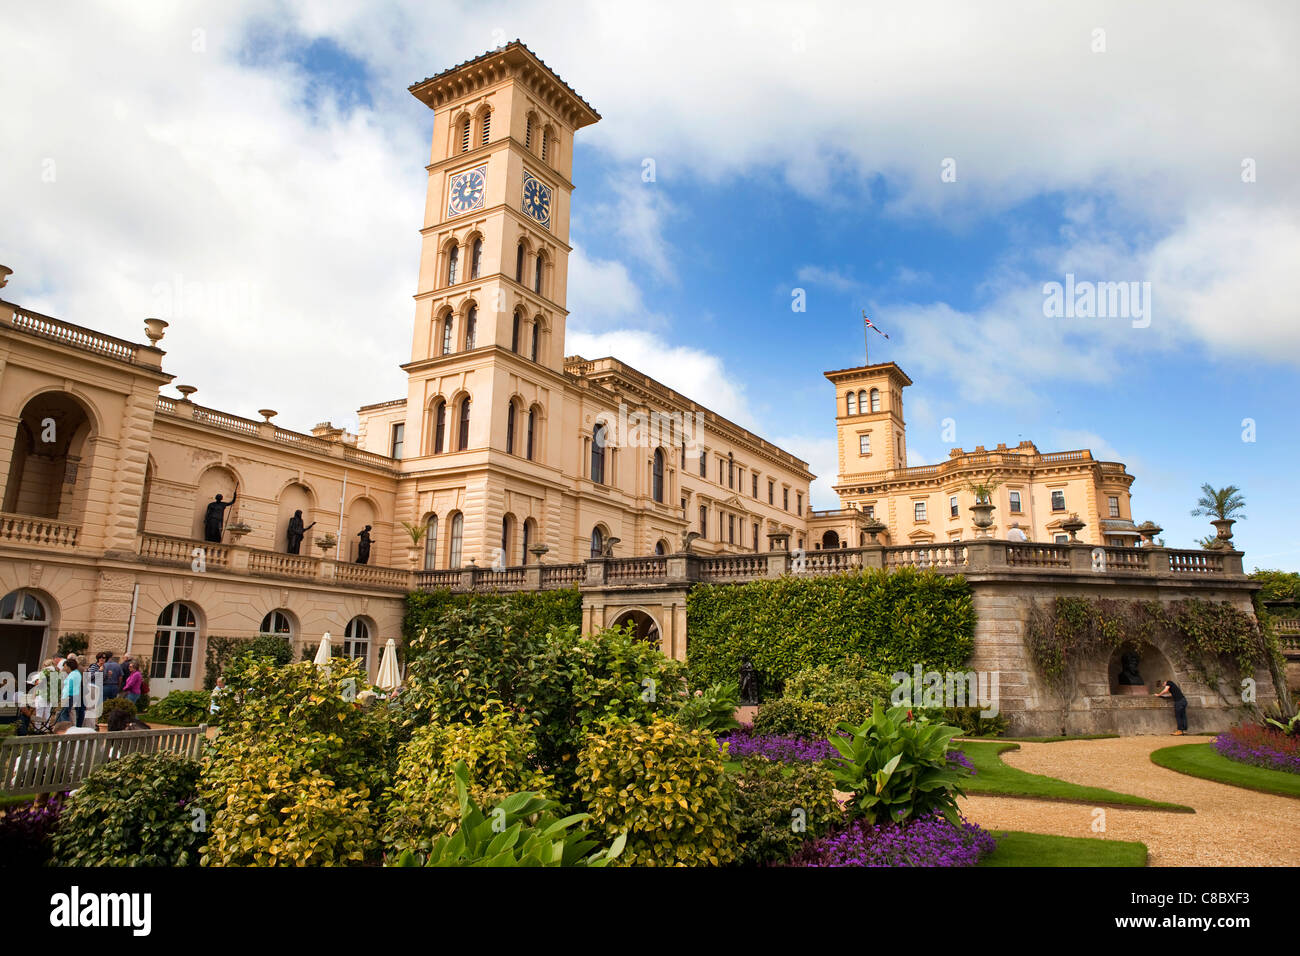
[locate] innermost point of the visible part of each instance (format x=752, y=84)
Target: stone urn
x=1224, y=528
x=873, y=528
x=325, y=542
x=186, y=391
x=1073, y=525
x=1149, y=530
x=267, y=414
x=983, y=518
x=5, y=273
x=236, y=530
x=153, y=329
x=537, y=551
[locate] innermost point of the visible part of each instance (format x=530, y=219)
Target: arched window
x=476, y=259
x=852, y=401
x=453, y=260
x=537, y=335
x=527, y=540
x=457, y=537
x=657, y=485
x=471, y=326
x=446, y=335
x=537, y=277
x=464, y=135
x=23, y=607
x=356, y=640
x=875, y=399
x=597, y=542
x=462, y=437
x=532, y=431
x=862, y=402
x=487, y=127
x=276, y=623
x=519, y=264
x=173, y=643
x=25, y=626
x=514, y=334
x=546, y=143
x=431, y=543
x=510, y=429
x=660, y=547
x=598, y=453
x=528, y=132
x=439, y=428
x=507, y=526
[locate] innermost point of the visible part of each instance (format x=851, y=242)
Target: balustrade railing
x=733, y=566
x=562, y=575
x=182, y=552
x=41, y=532
x=283, y=565
x=436, y=580
x=1195, y=562
x=1128, y=558
x=74, y=335
x=636, y=569
x=926, y=556
x=1038, y=556
x=372, y=576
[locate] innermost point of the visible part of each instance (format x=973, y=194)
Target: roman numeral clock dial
x=537, y=199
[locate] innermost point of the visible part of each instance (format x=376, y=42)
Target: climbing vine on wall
x=1070, y=631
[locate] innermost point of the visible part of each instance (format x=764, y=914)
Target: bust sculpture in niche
x=1128, y=673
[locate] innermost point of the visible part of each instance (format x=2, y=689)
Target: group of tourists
x=61, y=683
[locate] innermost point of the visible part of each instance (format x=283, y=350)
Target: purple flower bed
x=961, y=760
x=743, y=742
x=25, y=831
x=930, y=841
x=1260, y=747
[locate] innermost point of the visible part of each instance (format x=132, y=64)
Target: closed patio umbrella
x=323, y=652
x=389, y=679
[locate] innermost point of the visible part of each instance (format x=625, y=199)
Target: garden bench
x=54, y=763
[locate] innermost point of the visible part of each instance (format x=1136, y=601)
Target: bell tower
x=869, y=423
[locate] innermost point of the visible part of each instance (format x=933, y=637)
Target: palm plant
x=416, y=531
x=1221, y=503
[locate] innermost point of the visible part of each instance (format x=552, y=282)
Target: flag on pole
x=872, y=326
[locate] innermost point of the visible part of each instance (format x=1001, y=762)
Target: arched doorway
x=49, y=472
x=172, y=665
x=645, y=628
x=830, y=540
x=24, y=626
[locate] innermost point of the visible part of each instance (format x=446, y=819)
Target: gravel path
x=1231, y=826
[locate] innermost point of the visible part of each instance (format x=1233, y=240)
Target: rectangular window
x=918, y=510
x=1062, y=539
x=399, y=439
x=731, y=474
x=731, y=529
x=771, y=492
x=704, y=520
x=1113, y=501
x=704, y=461
x=755, y=535
x=721, y=470
x=755, y=487
x=1015, y=502
x=1058, y=500
x=952, y=507
x=871, y=511
x=785, y=498
x=864, y=444
x=1115, y=542
x=799, y=502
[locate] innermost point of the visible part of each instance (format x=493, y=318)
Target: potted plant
x=326, y=541
x=416, y=534
x=236, y=530
x=1073, y=524
x=1225, y=504
x=983, y=507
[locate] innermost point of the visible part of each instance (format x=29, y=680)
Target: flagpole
x=866, y=344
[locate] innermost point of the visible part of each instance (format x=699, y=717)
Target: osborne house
x=506, y=464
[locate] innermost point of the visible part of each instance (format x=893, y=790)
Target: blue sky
x=267, y=159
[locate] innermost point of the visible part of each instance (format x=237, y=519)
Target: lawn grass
x=1046, y=740
x=1016, y=848
x=1202, y=760
x=996, y=778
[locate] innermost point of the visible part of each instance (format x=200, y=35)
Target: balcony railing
x=88, y=340
x=183, y=552
x=38, y=532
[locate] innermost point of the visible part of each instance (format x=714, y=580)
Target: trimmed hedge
x=892, y=620
x=532, y=612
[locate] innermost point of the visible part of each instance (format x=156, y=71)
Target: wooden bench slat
x=50, y=764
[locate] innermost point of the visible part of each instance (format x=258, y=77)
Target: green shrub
x=182, y=707
x=273, y=647
x=792, y=717
x=712, y=708
x=499, y=758
x=533, y=612
x=664, y=786
x=848, y=684
x=138, y=810
x=896, y=767
x=779, y=806
x=892, y=620
x=142, y=704
x=74, y=642
x=522, y=830
x=116, y=703
x=291, y=778
x=968, y=720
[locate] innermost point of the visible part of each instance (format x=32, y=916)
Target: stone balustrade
x=38, y=532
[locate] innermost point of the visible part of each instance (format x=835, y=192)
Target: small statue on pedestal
x=748, y=683
x=297, y=530
x=363, y=549
x=1128, y=674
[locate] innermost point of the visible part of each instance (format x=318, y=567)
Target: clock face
x=537, y=199
x=467, y=191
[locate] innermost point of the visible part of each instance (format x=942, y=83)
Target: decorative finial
x=267, y=413
x=153, y=328
x=186, y=391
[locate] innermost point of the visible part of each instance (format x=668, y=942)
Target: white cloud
x=834, y=278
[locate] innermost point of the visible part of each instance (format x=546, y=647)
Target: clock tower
x=487, y=352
